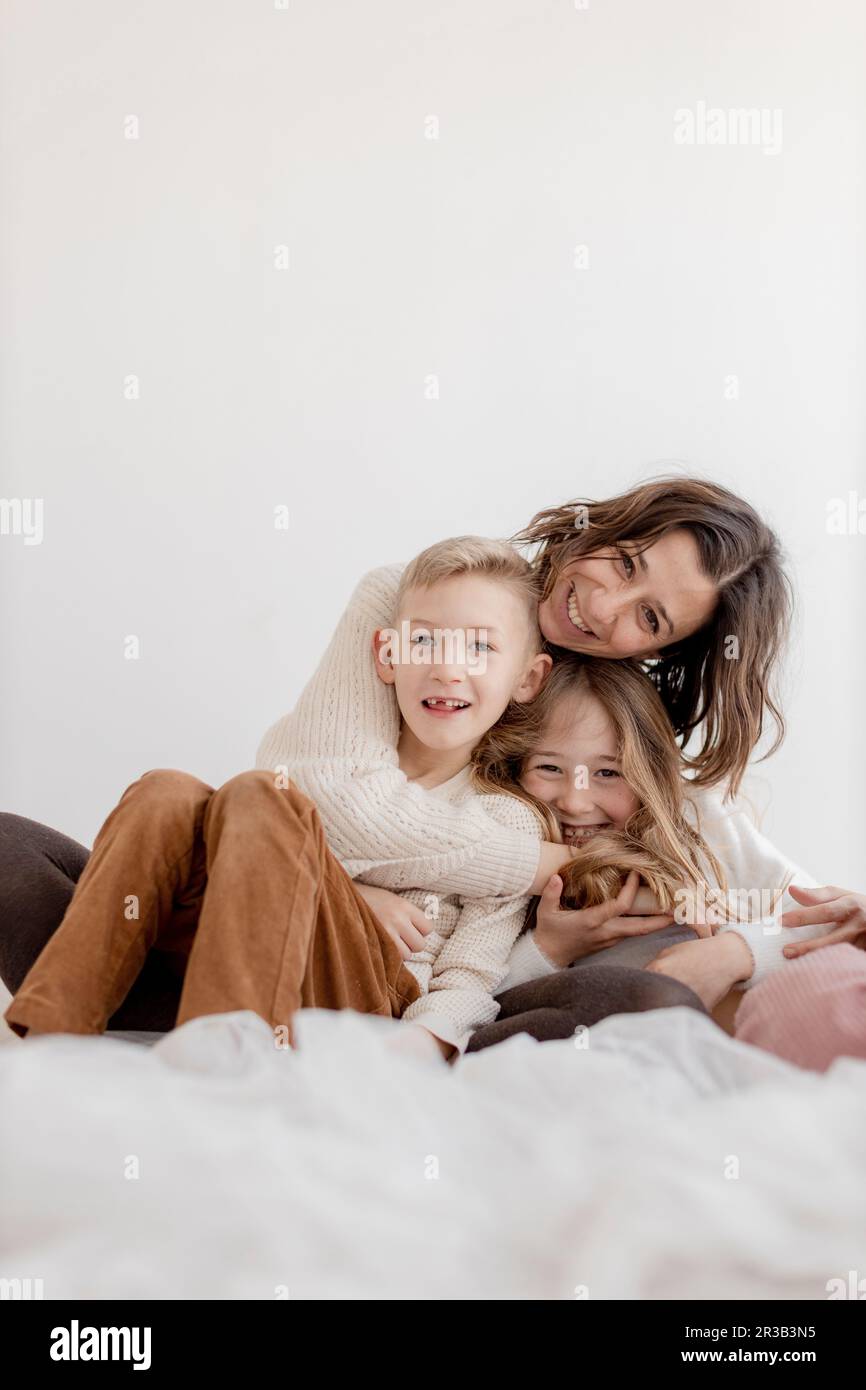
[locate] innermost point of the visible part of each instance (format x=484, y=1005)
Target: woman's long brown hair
x=705, y=688
x=657, y=840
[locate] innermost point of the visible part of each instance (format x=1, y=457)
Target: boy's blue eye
x=425, y=635
x=486, y=645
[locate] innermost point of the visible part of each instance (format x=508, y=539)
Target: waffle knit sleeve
x=474, y=960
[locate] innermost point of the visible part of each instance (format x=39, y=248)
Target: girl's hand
x=403, y=921
x=710, y=967
x=824, y=906
x=565, y=936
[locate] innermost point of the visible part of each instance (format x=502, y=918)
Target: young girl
x=595, y=757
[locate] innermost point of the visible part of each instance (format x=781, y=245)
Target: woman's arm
x=339, y=746
x=754, y=868
x=559, y=937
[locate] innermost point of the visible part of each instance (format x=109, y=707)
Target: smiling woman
x=685, y=576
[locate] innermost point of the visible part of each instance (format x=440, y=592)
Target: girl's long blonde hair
x=657, y=840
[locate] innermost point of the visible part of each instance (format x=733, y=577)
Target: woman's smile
x=576, y=618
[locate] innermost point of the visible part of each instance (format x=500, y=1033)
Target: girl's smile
x=578, y=773
x=579, y=834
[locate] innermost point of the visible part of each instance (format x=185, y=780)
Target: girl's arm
x=462, y=976
x=339, y=746
x=469, y=969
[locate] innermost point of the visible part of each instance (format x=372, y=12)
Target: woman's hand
x=710, y=967
x=402, y=920
x=565, y=936
x=824, y=906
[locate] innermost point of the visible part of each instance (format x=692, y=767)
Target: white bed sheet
x=341, y=1170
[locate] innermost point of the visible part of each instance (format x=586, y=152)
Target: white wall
x=407, y=256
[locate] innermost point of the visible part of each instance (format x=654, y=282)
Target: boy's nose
x=448, y=675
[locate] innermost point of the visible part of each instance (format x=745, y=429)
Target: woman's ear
x=381, y=642
x=534, y=677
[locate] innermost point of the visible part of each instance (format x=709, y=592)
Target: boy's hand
x=710, y=966
x=565, y=936
x=824, y=906
x=402, y=920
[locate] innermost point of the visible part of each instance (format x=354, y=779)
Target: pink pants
x=811, y=1011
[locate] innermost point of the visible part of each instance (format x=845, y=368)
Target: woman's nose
x=605, y=606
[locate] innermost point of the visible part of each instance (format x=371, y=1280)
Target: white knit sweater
x=339, y=745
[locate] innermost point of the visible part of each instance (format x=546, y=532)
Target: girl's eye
x=608, y=772
x=627, y=564
x=652, y=620
x=547, y=767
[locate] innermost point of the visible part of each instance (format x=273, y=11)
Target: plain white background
x=408, y=257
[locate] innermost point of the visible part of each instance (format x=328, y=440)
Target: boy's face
x=458, y=652
x=577, y=772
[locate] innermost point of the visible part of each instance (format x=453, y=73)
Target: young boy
x=464, y=643
x=239, y=891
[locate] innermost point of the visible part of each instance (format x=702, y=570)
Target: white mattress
x=342, y=1170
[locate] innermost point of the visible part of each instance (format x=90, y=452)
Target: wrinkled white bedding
x=562, y=1171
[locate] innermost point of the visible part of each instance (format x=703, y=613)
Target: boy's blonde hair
x=476, y=555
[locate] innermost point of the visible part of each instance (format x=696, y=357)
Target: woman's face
x=576, y=770
x=619, y=605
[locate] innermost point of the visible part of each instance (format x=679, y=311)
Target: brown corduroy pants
x=237, y=889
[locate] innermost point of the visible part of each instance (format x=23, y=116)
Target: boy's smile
x=440, y=708
x=468, y=645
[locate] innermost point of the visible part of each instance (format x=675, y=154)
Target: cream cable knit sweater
x=339, y=745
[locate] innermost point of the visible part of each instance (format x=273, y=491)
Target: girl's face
x=576, y=770
x=619, y=604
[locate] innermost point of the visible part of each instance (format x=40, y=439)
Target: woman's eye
x=652, y=620
x=607, y=772
x=547, y=767
x=627, y=564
